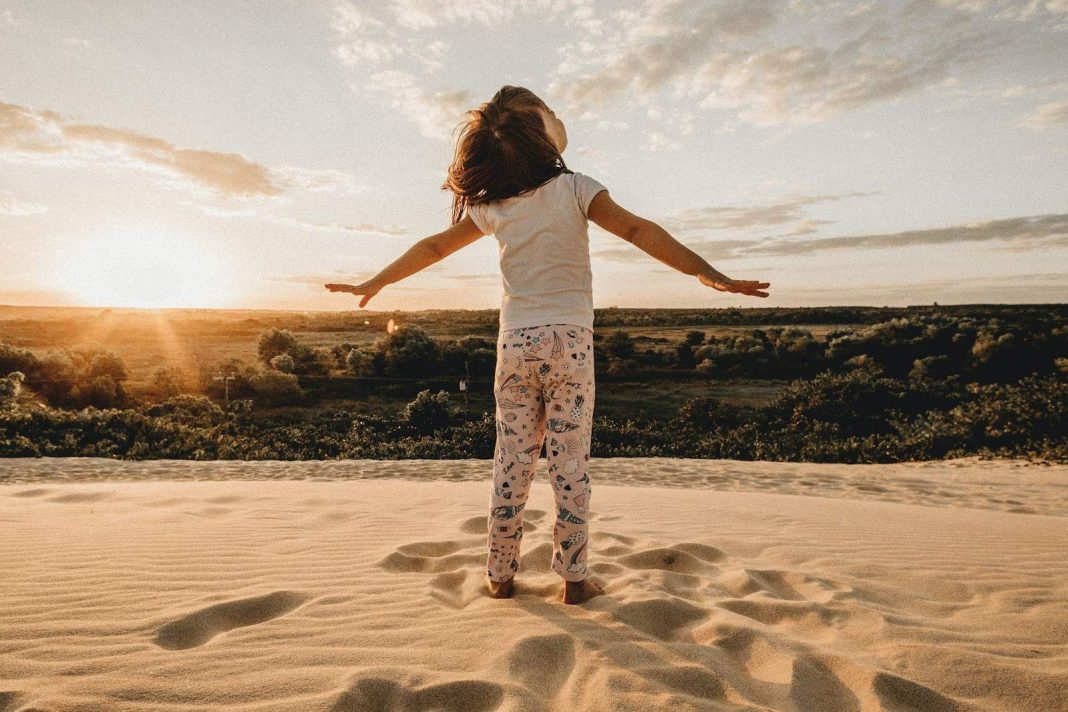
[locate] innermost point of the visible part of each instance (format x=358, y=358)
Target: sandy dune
x=359, y=586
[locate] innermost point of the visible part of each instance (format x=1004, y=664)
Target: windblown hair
x=502, y=150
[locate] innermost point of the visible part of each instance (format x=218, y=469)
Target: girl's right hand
x=367, y=289
x=748, y=287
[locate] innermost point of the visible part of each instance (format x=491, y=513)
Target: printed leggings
x=544, y=389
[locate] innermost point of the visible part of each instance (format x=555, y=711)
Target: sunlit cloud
x=786, y=212
x=11, y=205
x=36, y=136
x=1048, y=287
x=1017, y=234
x=436, y=113
x=26, y=134
x=1033, y=232
x=381, y=41
x=770, y=61
x=1053, y=114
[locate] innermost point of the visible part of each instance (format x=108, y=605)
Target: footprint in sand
x=384, y=692
x=201, y=626
x=541, y=663
x=39, y=492
x=669, y=559
x=9, y=699
x=896, y=692
x=477, y=525
x=79, y=497
x=663, y=618
x=428, y=557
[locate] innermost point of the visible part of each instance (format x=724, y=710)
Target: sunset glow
x=143, y=268
x=863, y=153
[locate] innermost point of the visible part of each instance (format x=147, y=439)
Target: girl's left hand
x=368, y=289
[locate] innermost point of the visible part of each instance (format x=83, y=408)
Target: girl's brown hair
x=503, y=150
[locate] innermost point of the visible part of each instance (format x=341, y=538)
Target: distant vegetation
x=920, y=383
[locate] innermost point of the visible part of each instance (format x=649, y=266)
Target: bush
x=77, y=378
x=408, y=351
x=189, y=410
x=283, y=363
x=10, y=388
x=276, y=388
x=427, y=412
x=357, y=362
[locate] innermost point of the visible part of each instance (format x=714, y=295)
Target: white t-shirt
x=544, y=252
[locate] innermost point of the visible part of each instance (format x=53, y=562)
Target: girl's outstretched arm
x=418, y=257
x=656, y=241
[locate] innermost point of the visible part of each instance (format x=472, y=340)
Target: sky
x=242, y=154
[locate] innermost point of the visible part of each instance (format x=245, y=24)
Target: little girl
x=508, y=179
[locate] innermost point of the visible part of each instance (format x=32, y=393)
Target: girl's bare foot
x=500, y=589
x=579, y=591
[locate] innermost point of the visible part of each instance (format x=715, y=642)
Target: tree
x=275, y=343
x=684, y=356
x=357, y=362
x=619, y=344
x=409, y=351
x=276, y=388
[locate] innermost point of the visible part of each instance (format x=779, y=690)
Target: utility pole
x=226, y=385
x=463, y=387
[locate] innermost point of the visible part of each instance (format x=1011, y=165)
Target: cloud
x=1053, y=114
x=788, y=211
x=1018, y=234
x=26, y=133
x=770, y=62
x=10, y=205
x=257, y=211
x=314, y=180
x=663, y=42
x=436, y=113
x=1044, y=288
x=1034, y=232
x=380, y=41
x=361, y=228
x=709, y=249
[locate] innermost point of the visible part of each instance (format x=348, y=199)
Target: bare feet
x=501, y=589
x=579, y=591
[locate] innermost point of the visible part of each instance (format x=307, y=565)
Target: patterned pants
x=544, y=388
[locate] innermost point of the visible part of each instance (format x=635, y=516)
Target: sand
x=359, y=586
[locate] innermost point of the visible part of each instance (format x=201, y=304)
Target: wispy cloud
x=1047, y=287
x=436, y=113
x=772, y=61
x=382, y=41
x=1053, y=114
x=1033, y=232
x=11, y=205
x=43, y=136
x=789, y=212
x=26, y=134
x=709, y=249
x=1018, y=234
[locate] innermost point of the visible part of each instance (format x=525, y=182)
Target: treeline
x=801, y=316
x=973, y=348
x=926, y=386
x=854, y=417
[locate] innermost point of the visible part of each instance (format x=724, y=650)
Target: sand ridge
x=1017, y=486
x=368, y=594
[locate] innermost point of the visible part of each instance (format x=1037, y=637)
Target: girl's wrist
x=711, y=273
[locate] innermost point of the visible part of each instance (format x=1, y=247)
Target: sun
x=148, y=268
